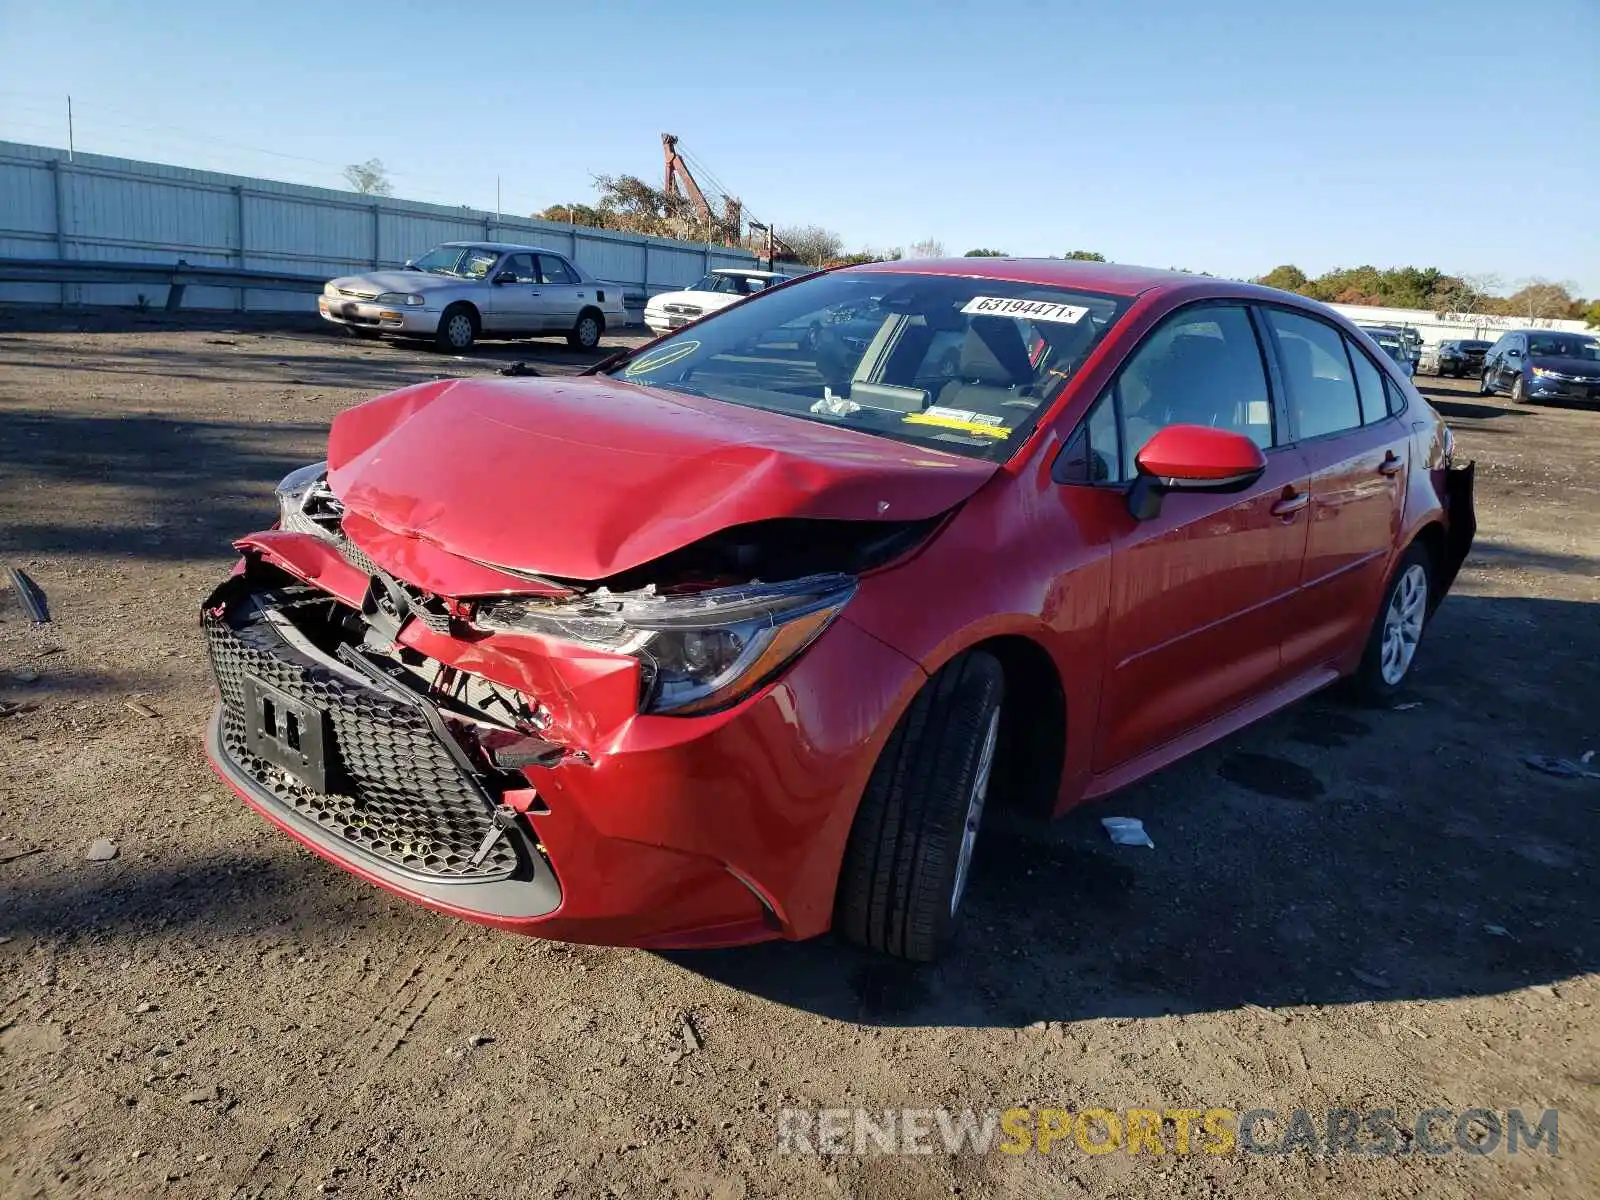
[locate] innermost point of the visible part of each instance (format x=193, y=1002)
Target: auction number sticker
x=663, y=357
x=1032, y=310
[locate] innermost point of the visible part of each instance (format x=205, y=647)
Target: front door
x=1198, y=593
x=516, y=300
x=1357, y=454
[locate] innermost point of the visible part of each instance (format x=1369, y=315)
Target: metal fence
x=95, y=208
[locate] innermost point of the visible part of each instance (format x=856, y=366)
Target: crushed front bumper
x=653, y=831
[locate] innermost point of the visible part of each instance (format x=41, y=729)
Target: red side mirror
x=1192, y=458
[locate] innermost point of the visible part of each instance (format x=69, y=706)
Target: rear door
x=565, y=293
x=1357, y=456
x=1198, y=594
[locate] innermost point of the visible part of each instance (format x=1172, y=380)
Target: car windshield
x=738, y=285
x=953, y=363
x=1563, y=345
x=467, y=262
x=1479, y=346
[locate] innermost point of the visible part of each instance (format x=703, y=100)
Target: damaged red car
x=738, y=636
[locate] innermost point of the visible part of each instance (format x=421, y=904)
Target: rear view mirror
x=1192, y=458
x=1513, y=353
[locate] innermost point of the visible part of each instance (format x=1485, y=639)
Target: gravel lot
x=1343, y=908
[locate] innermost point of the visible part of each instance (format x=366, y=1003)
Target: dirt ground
x=1343, y=907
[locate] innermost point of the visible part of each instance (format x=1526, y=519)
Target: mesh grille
x=400, y=795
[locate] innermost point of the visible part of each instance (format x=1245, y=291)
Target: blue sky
x=1219, y=135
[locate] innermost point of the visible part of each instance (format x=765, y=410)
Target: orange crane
x=731, y=223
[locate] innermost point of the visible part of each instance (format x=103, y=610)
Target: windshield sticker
x=1033, y=310
x=983, y=424
x=663, y=357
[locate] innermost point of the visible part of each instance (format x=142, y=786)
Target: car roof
x=1115, y=279
x=505, y=247
x=748, y=271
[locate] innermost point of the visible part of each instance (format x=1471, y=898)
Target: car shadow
x=1328, y=855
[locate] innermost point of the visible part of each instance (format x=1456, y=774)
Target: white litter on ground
x=1127, y=831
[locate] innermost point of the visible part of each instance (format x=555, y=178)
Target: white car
x=460, y=291
x=722, y=287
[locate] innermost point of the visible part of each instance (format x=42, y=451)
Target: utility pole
x=497, y=200
x=70, y=147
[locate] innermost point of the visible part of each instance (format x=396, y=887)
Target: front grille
x=682, y=310
x=395, y=790
x=358, y=295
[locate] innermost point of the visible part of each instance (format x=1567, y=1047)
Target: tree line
x=1432, y=289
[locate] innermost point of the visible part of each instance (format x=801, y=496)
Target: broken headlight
x=306, y=505
x=698, y=652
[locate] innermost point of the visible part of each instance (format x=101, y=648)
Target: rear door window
x=555, y=270
x=1316, y=373
x=519, y=267
x=1369, y=382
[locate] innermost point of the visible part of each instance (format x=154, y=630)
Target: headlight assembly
x=408, y=299
x=697, y=653
x=328, y=289
x=305, y=505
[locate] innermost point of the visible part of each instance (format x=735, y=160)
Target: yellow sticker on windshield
x=982, y=424
x=663, y=357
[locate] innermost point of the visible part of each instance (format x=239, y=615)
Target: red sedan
x=736, y=636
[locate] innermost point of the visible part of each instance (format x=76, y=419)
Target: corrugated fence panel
x=116, y=209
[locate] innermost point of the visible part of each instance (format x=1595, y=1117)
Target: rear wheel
x=1397, y=632
x=910, y=852
x=586, y=333
x=458, y=329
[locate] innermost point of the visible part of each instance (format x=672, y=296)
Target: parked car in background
x=722, y=287
x=460, y=291
x=1461, y=358
x=730, y=641
x=1392, y=343
x=1542, y=364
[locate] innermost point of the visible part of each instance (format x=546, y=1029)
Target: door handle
x=1291, y=503
x=1390, y=464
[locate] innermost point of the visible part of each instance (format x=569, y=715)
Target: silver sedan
x=460, y=291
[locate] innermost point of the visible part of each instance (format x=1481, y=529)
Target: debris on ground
x=25, y=675
x=144, y=710
x=1370, y=979
x=692, y=1040
x=1561, y=768
x=1408, y=706
x=101, y=850
x=1497, y=931
x=10, y=708
x=1127, y=831
x=478, y=1040
x=517, y=368
x=31, y=595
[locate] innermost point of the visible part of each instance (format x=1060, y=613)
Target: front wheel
x=1397, y=632
x=585, y=334
x=458, y=329
x=909, y=857
x=1485, y=388
x=1519, y=391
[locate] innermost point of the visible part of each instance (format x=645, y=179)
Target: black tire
x=1519, y=391
x=898, y=883
x=586, y=332
x=453, y=336
x=1485, y=388
x=1370, y=685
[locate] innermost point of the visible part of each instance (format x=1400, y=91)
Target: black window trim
x=1113, y=388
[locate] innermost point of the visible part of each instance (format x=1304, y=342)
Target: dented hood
x=582, y=478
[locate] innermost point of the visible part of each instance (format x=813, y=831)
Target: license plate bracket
x=286, y=732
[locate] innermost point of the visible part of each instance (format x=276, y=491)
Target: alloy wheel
x=1402, y=623
x=974, y=817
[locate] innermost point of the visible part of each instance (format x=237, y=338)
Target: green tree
x=1287, y=278
x=1084, y=256
x=1591, y=315
x=985, y=254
